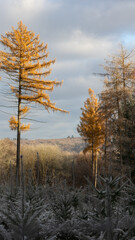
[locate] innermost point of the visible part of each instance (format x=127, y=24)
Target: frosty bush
x=62, y=213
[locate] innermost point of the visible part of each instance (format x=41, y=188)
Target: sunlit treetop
x=25, y=61
x=91, y=126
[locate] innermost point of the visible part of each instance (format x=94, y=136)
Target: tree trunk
x=105, y=147
x=96, y=169
x=18, y=147
x=93, y=171
x=18, y=133
x=73, y=173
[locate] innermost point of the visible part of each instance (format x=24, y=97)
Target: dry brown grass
x=65, y=144
x=53, y=162
x=53, y=165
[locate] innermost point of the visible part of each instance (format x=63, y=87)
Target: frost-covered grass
x=37, y=212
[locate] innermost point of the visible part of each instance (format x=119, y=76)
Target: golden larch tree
x=91, y=128
x=26, y=63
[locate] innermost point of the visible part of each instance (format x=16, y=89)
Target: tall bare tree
x=118, y=89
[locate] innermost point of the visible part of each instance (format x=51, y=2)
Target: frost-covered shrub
x=53, y=213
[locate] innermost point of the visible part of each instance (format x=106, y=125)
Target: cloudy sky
x=80, y=34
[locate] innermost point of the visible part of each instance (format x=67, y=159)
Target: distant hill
x=70, y=144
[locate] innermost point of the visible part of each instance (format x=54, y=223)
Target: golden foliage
x=91, y=126
x=26, y=64
x=24, y=127
x=13, y=122
x=24, y=110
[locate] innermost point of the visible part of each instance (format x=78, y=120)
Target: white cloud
x=32, y=5
x=27, y=9
x=66, y=65
x=81, y=45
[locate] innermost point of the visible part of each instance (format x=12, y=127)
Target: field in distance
x=70, y=144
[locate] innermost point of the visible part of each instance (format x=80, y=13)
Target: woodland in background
x=108, y=124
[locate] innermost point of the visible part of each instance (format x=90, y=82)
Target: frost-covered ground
x=61, y=213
